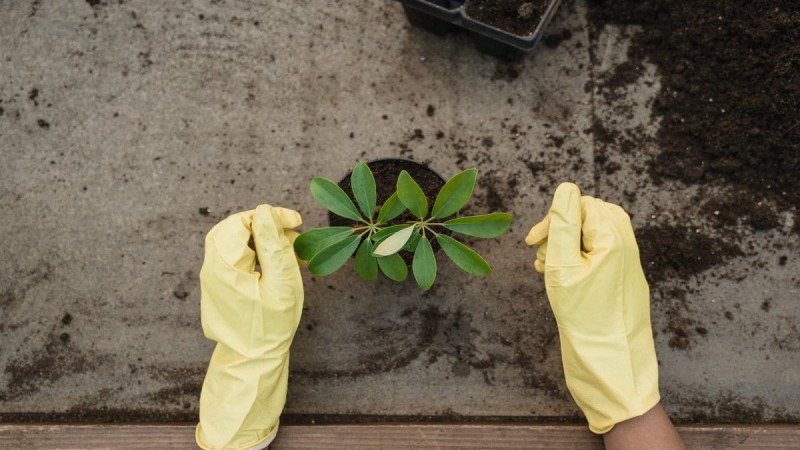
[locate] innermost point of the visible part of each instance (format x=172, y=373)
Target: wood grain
x=386, y=437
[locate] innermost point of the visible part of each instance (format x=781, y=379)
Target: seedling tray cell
x=444, y=16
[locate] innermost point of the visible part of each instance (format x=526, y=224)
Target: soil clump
x=518, y=17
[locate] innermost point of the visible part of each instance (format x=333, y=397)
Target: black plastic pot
x=386, y=171
x=444, y=16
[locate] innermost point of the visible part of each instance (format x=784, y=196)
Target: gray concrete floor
x=120, y=120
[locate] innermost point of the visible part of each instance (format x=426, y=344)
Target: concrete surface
x=121, y=119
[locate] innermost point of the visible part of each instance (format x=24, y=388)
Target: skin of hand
x=601, y=302
x=253, y=316
x=651, y=431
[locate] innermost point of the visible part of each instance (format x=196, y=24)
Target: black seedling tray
x=444, y=16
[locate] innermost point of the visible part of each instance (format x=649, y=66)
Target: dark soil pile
x=730, y=98
x=518, y=17
x=687, y=254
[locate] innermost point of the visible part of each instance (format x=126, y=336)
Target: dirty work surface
x=127, y=129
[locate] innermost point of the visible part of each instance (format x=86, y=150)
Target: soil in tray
x=518, y=17
x=729, y=104
x=386, y=172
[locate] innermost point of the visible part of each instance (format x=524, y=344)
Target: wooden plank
x=363, y=437
x=377, y=436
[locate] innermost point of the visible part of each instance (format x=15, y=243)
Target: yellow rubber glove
x=601, y=302
x=253, y=317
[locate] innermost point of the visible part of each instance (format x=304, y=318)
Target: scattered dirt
x=184, y=386
x=392, y=347
x=28, y=373
x=518, y=17
x=679, y=252
x=430, y=110
x=79, y=414
x=740, y=130
x=506, y=71
x=725, y=211
x=33, y=95
x=433, y=335
x=728, y=408
x=669, y=252
x=553, y=40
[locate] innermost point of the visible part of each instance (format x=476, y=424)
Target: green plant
x=376, y=240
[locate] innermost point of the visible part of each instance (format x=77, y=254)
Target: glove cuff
x=258, y=445
x=603, y=425
x=612, y=378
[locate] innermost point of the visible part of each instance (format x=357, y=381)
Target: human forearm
x=650, y=431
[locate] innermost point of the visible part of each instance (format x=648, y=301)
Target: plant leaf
x=363, y=184
x=383, y=233
x=411, y=245
x=424, y=265
x=464, y=257
x=366, y=264
x=312, y=241
x=391, y=208
x=393, y=267
x=485, y=226
x=331, y=258
x=394, y=243
x=411, y=195
x=333, y=198
x=454, y=194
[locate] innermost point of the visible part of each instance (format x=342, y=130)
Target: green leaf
x=411, y=245
x=463, y=256
x=366, y=264
x=384, y=233
x=485, y=226
x=312, y=241
x=394, y=243
x=454, y=194
x=411, y=195
x=331, y=258
x=333, y=198
x=392, y=208
x=363, y=184
x=393, y=267
x=424, y=265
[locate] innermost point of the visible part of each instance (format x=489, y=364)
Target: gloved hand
x=253, y=317
x=601, y=302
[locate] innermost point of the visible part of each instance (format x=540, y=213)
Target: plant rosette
x=376, y=240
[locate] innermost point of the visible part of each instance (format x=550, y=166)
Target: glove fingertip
x=566, y=220
x=565, y=196
x=289, y=218
x=268, y=231
x=538, y=232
